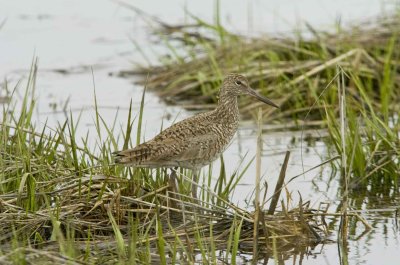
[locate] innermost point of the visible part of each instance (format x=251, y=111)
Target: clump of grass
x=63, y=203
x=294, y=71
x=290, y=70
x=373, y=144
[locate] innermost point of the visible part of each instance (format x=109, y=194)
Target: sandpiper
x=196, y=141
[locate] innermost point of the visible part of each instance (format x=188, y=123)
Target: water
x=79, y=43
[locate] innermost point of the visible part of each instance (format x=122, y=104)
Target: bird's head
x=236, y=84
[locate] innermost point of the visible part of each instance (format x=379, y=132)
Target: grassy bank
x=64, y=201
x=293, y=71
x=300, y=74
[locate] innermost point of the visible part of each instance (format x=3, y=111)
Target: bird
x=197, y=141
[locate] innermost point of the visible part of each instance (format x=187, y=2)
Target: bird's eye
x=238, y=83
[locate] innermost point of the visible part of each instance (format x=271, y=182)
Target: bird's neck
x=228, y=108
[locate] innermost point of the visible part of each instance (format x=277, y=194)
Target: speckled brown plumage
x=197, y=141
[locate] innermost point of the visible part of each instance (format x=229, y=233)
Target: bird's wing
x=185, y=134
x=187, y=140
x=200, y=146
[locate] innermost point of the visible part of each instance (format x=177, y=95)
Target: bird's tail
x=134, y=156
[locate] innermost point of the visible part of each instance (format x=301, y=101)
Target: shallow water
x=73, y=38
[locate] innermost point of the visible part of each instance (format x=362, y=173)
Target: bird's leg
x=172, y=179
x=195, y=178
x=172, y=187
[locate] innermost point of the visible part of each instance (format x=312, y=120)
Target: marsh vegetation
x=64, y=200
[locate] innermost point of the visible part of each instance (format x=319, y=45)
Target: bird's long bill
x=261, y=98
